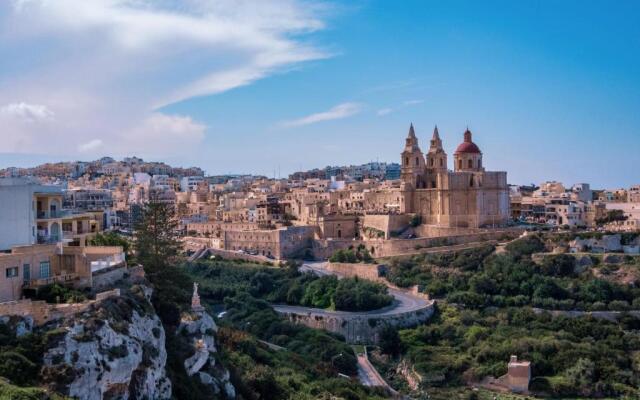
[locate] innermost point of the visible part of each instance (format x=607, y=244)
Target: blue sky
x=551, y=90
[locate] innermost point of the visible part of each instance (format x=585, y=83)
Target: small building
x=518, y=375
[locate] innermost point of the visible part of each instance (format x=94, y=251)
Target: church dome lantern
x=468, y=156
x=467, y=146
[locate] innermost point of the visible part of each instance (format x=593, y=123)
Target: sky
x=550, y=89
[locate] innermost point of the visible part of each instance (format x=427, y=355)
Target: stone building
x=518, y=375
x=469, y=196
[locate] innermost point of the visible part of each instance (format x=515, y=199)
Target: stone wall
x=234, y=255
x=372, y=272
x=107, y=277
x=323, y=249
x=43, y=312
x=386, y=223
x=361, y=329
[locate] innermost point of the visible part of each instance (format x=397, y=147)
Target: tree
x=156, y=240
x=111, y=239
x=390, y=342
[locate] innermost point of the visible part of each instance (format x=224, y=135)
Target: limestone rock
x=112, y=358
x=199, y=328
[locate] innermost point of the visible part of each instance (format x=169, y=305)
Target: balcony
x=51, y=214
x=35, y=283
x=48, y=239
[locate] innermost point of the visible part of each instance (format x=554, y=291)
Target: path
x=369, y=375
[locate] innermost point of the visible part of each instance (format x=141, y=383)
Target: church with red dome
x=466, y=197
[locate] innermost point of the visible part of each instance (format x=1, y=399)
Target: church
x=467, y=197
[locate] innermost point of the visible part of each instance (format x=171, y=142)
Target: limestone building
x=467, y=197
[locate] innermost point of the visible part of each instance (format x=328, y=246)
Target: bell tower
x=436, y=156
x=413, y=165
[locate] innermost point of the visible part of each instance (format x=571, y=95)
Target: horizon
x=550, y=92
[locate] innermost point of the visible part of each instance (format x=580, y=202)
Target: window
x=417, y=161
x=459, y=164
x=470, y=163
x=45, y=270
x=11, y=272
x=441, y=162
x=479, y=164
x=26, y=272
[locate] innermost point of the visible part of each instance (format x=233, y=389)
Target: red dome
x=468, y=147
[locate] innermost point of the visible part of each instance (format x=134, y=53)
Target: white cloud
x=340, y=111
x=117, y=62
x=91, y=145
x=27, y=112
x=388, y=110
x=412, y=102
x=160, y=131
x=384, y=111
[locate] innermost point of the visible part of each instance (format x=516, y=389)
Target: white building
x=191, y=183
x=29, y=212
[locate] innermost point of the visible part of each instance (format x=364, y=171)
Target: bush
x=17, y=368
x=525, y=246
x=56, y=293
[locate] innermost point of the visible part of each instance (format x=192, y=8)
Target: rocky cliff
x=199, y=328
x=116, y=349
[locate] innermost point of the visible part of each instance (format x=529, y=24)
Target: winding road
x=404, y=301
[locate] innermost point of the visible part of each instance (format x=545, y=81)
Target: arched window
x=459, y=164
x=339, y=233
x=406, y=161
x=441, y=162
x=471, y=182
x=470, y=163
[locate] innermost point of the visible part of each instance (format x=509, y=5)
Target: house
x=28, y=268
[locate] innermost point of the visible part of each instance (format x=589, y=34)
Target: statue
x=195, y=299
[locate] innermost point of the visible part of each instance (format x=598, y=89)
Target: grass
x=11, y=392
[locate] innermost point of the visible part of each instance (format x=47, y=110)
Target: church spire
x=436, y=134
x=412, y=133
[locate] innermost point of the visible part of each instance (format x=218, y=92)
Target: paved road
x=404, y=301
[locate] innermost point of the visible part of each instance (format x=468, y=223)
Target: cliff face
x=199, y=328
x=113, y=350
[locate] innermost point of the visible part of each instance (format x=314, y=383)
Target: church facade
x=467, y=197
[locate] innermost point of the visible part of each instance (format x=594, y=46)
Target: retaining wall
x=361, y=329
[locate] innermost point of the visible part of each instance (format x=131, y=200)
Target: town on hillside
x=426, y=278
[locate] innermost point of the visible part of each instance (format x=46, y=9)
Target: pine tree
x=156, y=239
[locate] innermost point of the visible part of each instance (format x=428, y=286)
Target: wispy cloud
x=340, y=111
x=147, y=54
x=412, y=102
x=407, y=103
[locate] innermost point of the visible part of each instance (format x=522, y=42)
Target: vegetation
x=612, y=216
x=359, y=255
x=478, y=278
x=56, y=293
x=111, y=239
x=220, y=279
x=307, y=367
x=156, y=242
x=11, y=392
x=570, y=357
